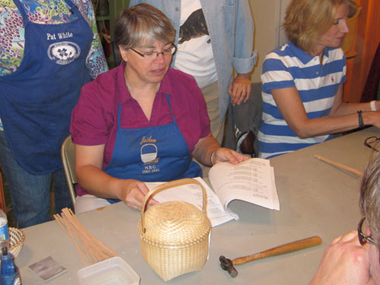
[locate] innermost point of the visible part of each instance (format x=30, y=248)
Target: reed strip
x=88, y=245
x=351, y=170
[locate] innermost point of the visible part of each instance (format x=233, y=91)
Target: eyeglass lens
x=166, y=52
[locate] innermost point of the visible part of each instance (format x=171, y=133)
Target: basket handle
x=168, y=185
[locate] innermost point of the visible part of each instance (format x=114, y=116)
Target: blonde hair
x=307, y=20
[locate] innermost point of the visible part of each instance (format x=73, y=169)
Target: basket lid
x=175, y=223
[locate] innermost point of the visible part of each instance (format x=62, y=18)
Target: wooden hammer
x=228, y=265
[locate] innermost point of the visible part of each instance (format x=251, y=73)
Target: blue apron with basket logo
x=151, y=154
x=36, y=101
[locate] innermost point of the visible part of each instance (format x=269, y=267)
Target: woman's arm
x=244, y=58
x=342, y=117
x=208, y=152
x=339, y=108
x=96, y=61
x=88, y=168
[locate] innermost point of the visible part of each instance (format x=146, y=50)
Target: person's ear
x=123, y=53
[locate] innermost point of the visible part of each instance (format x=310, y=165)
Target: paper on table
x=191, y=193
x=251, y=181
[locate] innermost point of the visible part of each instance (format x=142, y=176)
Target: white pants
x=211, y=95
x=89, y=202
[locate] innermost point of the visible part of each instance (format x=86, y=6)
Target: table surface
x=315, y=199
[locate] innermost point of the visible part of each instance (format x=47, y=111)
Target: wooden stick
x=80, y=250
x=68, y=229
x=87, y=244
x=98, y=249
x=341, y=166
x=282, y=249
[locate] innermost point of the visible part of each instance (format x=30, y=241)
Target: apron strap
x=72, y=6
x=20, y=7
x=170, y=106
x=25, y=17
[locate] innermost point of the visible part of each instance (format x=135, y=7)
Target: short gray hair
x=142, y=24
x=370, y=196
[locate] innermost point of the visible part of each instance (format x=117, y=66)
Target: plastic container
x=113, y=271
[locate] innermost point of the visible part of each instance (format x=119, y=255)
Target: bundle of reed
x=90, y=248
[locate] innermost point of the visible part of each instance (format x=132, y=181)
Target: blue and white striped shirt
x=317, y=84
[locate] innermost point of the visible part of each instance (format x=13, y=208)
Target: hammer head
x=227, y=265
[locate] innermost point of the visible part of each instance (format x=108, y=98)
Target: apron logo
x=148, y=153
x=63, y=52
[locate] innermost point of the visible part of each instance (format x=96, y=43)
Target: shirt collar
x=304, y=56
x=165, y=87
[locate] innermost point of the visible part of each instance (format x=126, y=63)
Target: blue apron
x=36, y=101
x=151, y=154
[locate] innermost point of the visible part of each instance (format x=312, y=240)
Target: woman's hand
x=208, y=152
x=345, y=261
x=240, y=89
x=133, y=194
x=227, y=155
x=98, y=183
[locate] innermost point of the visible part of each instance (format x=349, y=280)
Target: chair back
x=68, y=161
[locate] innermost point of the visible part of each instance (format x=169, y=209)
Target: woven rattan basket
x=16, y=241
x=174, y=236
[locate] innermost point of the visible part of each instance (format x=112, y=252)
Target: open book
x=251, y=181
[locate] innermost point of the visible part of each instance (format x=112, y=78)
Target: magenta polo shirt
x=94, y=119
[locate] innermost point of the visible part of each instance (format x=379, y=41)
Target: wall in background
x=368, y=39
x=268, y=16
x=106, y=13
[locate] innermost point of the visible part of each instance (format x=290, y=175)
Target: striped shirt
x=317, y=84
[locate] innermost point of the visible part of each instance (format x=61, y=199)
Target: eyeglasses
x=362, y=238
x=370, y=141
x=152, y=55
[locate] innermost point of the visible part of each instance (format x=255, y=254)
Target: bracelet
x=372, y=104
x=361, y=123
x=212, y=157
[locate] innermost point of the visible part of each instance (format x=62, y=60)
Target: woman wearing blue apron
x=36, y=101
x=141, y=121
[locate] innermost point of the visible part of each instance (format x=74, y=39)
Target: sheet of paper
x=252, y=181
x=193, y=194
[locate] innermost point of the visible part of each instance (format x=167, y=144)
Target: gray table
x=315, y=199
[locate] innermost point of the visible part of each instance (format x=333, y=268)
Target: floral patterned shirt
x=12, y=37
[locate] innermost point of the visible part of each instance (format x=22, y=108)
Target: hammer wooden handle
x=282, y=249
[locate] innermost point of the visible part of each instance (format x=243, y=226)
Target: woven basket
x=174, y=236
x=16, y=241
